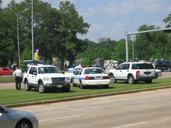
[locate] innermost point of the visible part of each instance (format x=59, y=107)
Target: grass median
x=12, y=96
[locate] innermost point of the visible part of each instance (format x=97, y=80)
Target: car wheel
x=72, y=82
x=149, y=81
x=27, y=86
x=41, y=88
x=24, y=124
x=169, y=70
x=156, y=75
x=105, y=86
x=131, y=79
x=81, y=85
x=66, y=88
x=112, y=78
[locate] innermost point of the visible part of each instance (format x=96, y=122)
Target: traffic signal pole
x=139, y=32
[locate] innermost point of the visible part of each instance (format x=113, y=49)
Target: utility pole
x=32, y=31
x=18, y=42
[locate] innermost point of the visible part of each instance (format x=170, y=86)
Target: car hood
x=53, y=75
x=16, y=114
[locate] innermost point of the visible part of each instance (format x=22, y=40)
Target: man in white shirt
x=18, y=74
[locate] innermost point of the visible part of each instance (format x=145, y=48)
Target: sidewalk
x=7, y=85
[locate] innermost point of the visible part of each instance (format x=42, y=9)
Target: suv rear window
x=142, y=66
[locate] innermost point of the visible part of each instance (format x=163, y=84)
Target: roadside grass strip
x=12, y=97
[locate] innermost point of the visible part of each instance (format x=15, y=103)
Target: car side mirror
x=2, y=110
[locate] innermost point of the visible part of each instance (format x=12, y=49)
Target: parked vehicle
x=91, y=76
x=6, y=71
x=42, y=77
x=164, y=65
x=10, y=118
x=71, y=73
x=133, y=72
x=158, y=73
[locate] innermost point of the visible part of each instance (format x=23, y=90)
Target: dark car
x=6, y=71
x=164, y=65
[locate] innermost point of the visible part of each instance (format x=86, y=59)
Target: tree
x=151, y=45
x=72, y=24
x=119, y=51
x=167, y=20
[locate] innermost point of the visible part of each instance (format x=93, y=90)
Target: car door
x=125, y=71
x=5, y=121
x=118, y=72
x=32, y=75
x=78, y=77
x=122, y=71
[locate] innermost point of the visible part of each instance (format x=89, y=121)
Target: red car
x=6, y=71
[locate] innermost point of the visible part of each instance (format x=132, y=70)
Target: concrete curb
x=85, y=97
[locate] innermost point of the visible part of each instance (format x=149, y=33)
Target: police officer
x=18, y=74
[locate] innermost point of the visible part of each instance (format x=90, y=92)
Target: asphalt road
x=137, y=110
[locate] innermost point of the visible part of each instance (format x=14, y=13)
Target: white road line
x=143, y=122
x=128, y=125
x=59, y=118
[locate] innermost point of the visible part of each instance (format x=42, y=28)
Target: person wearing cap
x=18, y=74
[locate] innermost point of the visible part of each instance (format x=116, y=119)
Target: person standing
x=18, y=74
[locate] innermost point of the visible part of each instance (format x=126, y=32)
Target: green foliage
x=120, y=51
x=55, y=34
x=26, y=55
x=152, y=45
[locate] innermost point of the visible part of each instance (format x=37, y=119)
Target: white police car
x=91, y=76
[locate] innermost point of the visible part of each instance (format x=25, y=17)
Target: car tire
x=131, y=79
x=112, y=78
x=72, y=83
x=27, y=86
x=66, y=88
x=41, y=87
x=24, y=124
x=169, y=69
x=81, y=85
x=149, y=81
x=105, y=86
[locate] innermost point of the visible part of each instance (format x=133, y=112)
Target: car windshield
x=93, y=71
x=44, y=70
x=142, y=66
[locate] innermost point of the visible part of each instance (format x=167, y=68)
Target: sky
x=112, y=18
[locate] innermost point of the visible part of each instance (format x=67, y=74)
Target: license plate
x=59, y=86
x=98, y=77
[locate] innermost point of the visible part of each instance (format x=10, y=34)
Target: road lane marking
x=59, y=118
x=143, y=122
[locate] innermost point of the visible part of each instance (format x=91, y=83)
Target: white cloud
x=6, y=2
x=127, y=6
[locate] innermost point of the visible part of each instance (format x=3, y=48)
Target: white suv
x=41, y=77
x=133, y=72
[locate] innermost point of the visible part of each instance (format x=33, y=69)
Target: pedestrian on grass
x=18, y=74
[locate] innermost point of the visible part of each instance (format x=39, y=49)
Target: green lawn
x=11, y=96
